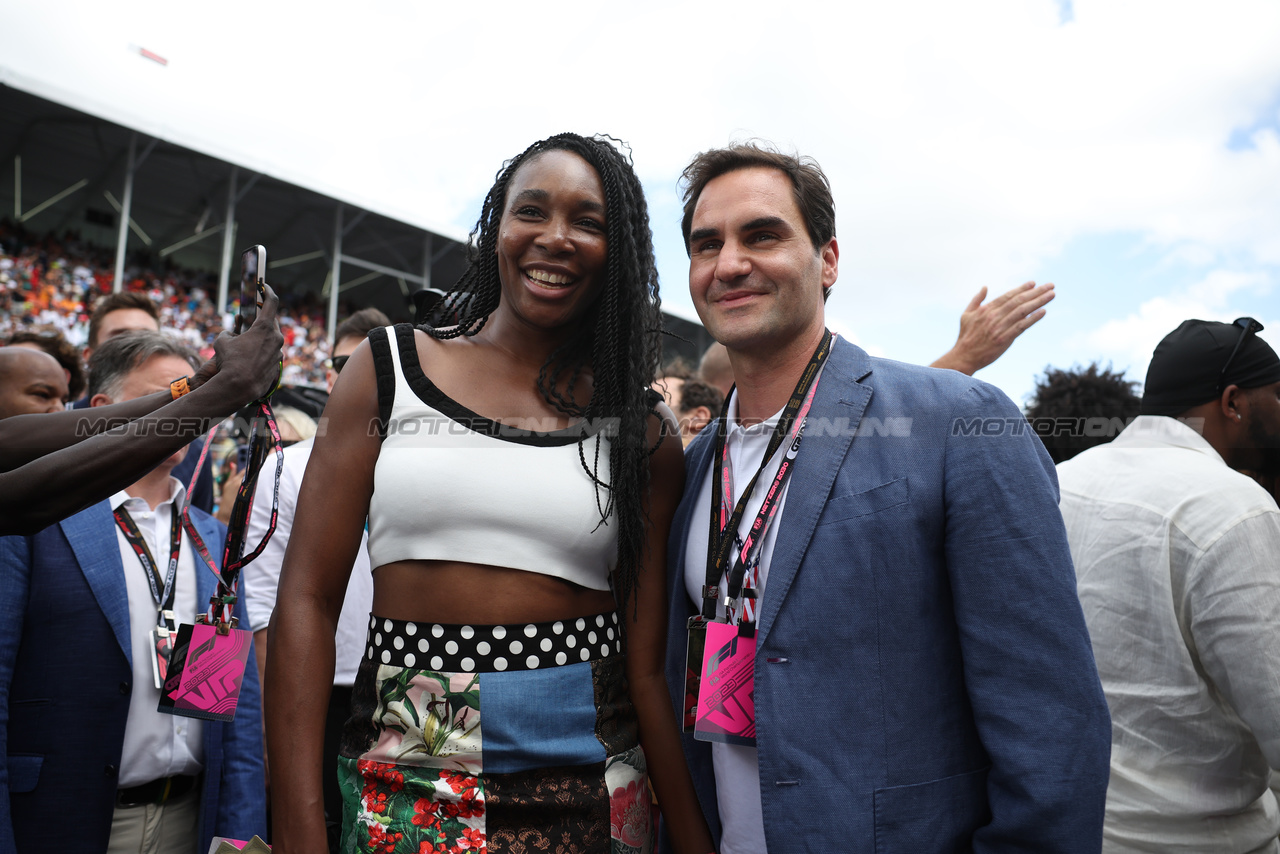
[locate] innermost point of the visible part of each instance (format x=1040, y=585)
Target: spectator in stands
x=31, y=382
x=57, y=464
x=1175, y=556
x=263, y=575
x=1072, y=411
x=56, y=345
x=88, y=761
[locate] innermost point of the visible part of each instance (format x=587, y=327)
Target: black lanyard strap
x=724, y=526
x=163, y=595
x=223, y=602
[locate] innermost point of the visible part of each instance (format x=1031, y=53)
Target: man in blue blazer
x=923, y=679
x=71, y=699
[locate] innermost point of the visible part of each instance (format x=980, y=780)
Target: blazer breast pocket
x=24, y=772
x=841, y=508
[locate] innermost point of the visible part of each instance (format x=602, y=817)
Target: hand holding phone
x=253, y=267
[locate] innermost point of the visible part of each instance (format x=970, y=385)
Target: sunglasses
x=1248, y=326
x=337, y=363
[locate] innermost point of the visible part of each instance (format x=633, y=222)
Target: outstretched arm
x=646, y=650
x=54, y=465
x=986, y=331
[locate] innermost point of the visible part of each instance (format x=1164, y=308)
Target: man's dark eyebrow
x=765, y=222
x=702, y=234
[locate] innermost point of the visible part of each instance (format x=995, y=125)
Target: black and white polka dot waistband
x=485, y=649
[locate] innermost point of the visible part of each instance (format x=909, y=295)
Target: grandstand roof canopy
x=66, y=169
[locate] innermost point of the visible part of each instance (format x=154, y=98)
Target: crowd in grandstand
x=51, y=281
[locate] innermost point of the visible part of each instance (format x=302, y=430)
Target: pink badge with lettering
x=726, y=697
x=205, y=673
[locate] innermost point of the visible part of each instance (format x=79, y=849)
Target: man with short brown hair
x=895, y=655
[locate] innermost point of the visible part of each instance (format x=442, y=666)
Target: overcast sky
x=1127, y=151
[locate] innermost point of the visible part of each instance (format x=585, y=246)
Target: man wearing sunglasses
x=1177, y=559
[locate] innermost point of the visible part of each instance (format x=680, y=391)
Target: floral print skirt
x=517, y=738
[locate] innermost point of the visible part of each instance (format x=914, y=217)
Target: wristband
x=179, y=387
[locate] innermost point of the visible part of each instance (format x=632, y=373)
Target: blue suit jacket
x=924, y=680
x=65, y=673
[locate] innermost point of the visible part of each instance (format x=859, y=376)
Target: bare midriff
x=431, y=591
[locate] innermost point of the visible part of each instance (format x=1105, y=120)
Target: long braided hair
x=617, y=340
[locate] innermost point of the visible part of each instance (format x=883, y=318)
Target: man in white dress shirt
x=1176, y=556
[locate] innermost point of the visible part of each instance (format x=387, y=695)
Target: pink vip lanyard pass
x=744, y=578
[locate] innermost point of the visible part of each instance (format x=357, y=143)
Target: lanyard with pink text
x=209, y=658
x=744, y=580
x=726, y=517
x=222, y=605
x=163, y=588
x=719, y=702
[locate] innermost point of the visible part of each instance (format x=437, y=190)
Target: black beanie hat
x=1186, y=365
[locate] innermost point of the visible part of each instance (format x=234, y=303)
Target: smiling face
x=754, y=275
x=551, y=241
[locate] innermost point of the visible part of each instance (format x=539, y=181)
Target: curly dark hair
x=1072, y=411
x=618, y=340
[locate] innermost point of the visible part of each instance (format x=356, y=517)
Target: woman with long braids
x=519, y=481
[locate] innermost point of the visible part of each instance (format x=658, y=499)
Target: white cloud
x=1222, y=295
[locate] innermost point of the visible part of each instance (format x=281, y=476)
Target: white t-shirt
x=737, y=768
x=262, y=576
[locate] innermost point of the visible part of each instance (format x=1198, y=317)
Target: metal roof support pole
x=228, y=235
x=336, y=278
x=428, y=246
x=125, y=205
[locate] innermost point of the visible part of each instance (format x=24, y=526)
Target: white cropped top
x=452, y=485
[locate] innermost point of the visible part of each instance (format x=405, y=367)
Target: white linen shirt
x=737, y=768
x=261, y=576
x=156, y=744
x=1178, y=566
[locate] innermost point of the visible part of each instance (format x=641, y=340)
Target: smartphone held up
x=253, y=269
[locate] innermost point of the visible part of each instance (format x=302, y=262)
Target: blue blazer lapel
x=841, y=399
x=92, y=536
x=697, y=459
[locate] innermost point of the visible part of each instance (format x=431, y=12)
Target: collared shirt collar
x=177, y=493
x=1163, y=431
x=736, y=430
